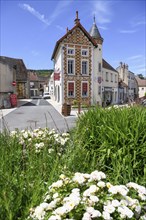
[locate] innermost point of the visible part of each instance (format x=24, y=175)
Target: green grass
x=110, y=140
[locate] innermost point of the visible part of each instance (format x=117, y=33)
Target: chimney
x=77, y=20
x=67, y=30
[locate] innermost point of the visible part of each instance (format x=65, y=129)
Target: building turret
x=94, y=32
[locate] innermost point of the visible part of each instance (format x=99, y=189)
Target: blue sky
x=30, y=29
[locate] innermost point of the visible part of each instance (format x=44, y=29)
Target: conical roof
x=94, y=32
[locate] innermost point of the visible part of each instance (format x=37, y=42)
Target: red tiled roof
x=141, y=82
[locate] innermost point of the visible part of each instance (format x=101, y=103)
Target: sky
x=30, y=29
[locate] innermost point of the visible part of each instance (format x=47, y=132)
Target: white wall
x=97, y=58
x=142, y=91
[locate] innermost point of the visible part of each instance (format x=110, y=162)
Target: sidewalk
x=58, y=107
x=6, y=111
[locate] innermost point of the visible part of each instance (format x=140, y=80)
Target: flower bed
x=88, y=196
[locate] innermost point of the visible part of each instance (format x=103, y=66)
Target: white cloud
x=34, y=12
x=138, y=20
x=102, y=11
x=60, y=28
x=139, y=56
x=103, y=28
x=127, y=31
x=61, y=6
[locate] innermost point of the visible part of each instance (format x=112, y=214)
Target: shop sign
x=56, y=76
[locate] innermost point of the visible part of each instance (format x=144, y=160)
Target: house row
x=15, y=78
x=82, y=74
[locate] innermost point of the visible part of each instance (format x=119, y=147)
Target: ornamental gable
x=77, y=37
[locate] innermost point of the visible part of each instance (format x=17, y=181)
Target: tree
x=140, y=76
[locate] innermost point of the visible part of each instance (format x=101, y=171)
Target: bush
x=112, y=140
x=88, y=196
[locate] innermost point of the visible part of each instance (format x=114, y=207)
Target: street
x=34, y=114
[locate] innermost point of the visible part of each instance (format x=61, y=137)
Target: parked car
x=46, y=95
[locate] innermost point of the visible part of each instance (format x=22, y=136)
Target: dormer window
x=71, y=51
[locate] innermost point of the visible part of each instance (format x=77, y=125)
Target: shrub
x=88, y=196
x=113, y=140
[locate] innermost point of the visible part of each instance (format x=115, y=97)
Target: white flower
x=57, y=184
x=39, y=213
x=55, y=195
x=109, y=208
x=95, y=175
x=44, y=205
x=143, y=197
x=60, y=211
x=106, y=215
x=121, y=189
x=79, y=178
x=86, y=216
x=55, y=217
x=25, y=135
x=94, y=198
x=101, y=184
x=125, y=212
x=115, y=203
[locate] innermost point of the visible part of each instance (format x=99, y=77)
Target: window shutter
x=71, y=86
x=84, y=86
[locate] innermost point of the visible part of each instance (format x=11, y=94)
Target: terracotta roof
x=106, y=65
x=78, y=25
x=141, y=82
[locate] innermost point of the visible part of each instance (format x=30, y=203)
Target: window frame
x=70, y=96
x=84, y=50
x=87, y=94
x=87, y=68
x=71, y=59
x=70, y=49
x=106, y=76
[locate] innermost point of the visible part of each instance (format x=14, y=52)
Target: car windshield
x=46, y=93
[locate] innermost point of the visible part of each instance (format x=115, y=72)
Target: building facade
x=13, y=79
x=128, y=87
x=141, y=87
x=80, y=70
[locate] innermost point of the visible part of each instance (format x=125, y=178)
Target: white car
x=46, y=95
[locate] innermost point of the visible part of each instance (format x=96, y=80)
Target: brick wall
x=78, y=41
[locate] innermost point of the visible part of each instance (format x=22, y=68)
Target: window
x=71, y=89
x=84, y=89
x=106, y=76
x=70, y=51
x=115, y=78
x=111, y=77
x=84, y=67
x=70, y=66
x=84, y=52
x=99, y=67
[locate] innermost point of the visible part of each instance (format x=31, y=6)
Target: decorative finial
x=94, y=18
x=76, y=14
x=77, y=20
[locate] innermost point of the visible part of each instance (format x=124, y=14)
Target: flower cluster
x=89, y=196
x=41, y=138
